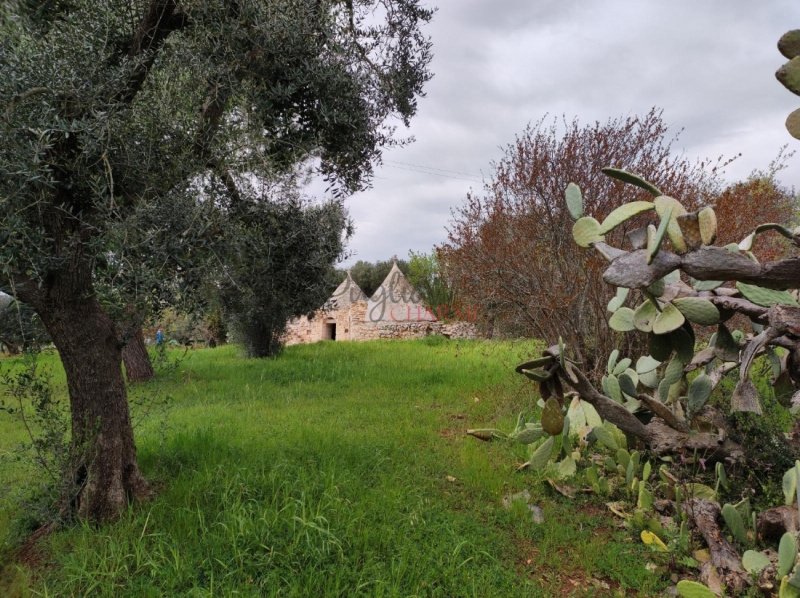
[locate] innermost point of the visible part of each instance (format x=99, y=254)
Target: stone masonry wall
x=352, y=324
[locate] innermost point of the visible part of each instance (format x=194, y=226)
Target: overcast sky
x=499, y=65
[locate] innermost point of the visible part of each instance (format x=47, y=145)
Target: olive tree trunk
x=106, y=473
x=138, y=366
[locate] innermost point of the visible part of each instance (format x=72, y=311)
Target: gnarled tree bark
x=106, y=474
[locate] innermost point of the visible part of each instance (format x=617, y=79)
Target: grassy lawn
x=339, y=469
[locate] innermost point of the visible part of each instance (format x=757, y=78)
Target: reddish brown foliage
x=510, y=250
x=743, y=206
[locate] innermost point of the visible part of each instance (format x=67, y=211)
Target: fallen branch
x=713, y=446
x=704, y=514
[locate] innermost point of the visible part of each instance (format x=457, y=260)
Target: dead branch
x=704, y=514
x=714, y=446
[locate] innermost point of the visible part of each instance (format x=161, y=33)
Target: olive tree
x=20, y=327
x=280, y=254
x=115, y=108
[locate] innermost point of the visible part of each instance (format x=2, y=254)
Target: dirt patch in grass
x=564, y=580
x=449, y=433
x=32, y=554
x=24, y=562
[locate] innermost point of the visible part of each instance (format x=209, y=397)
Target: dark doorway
x=330, y=332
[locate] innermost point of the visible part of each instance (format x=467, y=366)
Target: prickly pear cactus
x=671, y=280
x=789, y=74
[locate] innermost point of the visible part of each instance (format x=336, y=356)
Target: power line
x=468, y=174
x=448, y=174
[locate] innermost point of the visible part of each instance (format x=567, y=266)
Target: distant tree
x=279, y=254
x=133, y=289
x=369, y=275
x=112, y=109
x=20, y=327
x=214, y=326
x=435, y=290
x=510, y=253
x=135, y=358
x=761, y=196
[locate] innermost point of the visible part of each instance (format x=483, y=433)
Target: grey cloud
x=499, y=65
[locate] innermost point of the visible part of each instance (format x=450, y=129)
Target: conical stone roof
x=397, y=301
x=347, y=293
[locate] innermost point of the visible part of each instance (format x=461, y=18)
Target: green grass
x=329, y=472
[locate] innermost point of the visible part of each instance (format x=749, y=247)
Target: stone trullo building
x=395, y=310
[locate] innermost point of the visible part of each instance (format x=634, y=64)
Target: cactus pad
x=746, y=244
x=612, y=361
x=707, y=219
x=537, y=374
x=545, y=361
x=540, y=455
x=618, y=299
x=725, y=346
x=789, y=44
x=707, y=285
x=699, y=391
x=790, y=485
x=622, y=320
x=698, y=310
x=660, y=346
x=623, y=213
x=629, y=177
x=754, y=562
x=663, y=205
x=645, y=500
x=654, y=238
x=734, y=522
x=787, y=554
x=574, y=201
x=527, y=435
x=668, y=320
x=793, y=124
x=627, y=385
x=789, y=75
x=644, y=316
x=693, y=589
x=650, y=539
x=765, y=297
x=586, y=231
x=646, y=364
x=690, y=228
x=673, y=371
x=650, y=379
x=663, y=391
x=682, y=341
x=621, y=366
x=613, y=388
